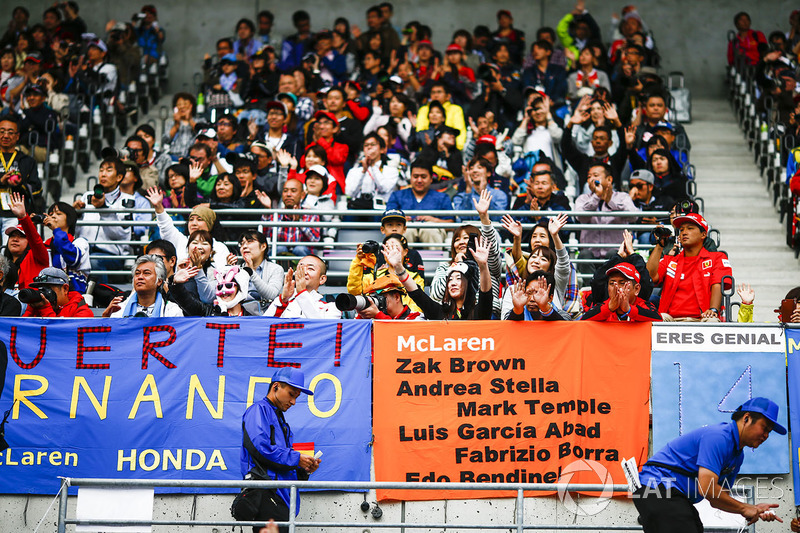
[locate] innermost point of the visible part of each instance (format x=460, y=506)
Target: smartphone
x=472, y=243
x=787, y=308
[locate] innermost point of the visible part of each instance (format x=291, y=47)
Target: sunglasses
x=229, y=285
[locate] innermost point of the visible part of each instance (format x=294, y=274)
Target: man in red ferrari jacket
x=67, y=303
x=691, y=280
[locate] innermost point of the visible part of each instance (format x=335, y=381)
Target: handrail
x=519, y=524
x=378, y=213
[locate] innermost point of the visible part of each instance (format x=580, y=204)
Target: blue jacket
x=715, y=447
x=272, y=437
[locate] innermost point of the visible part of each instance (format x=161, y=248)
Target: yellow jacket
x=453, y=117
x=360, y=277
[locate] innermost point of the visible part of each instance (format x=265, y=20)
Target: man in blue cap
x=704, y=464
x=267, y=446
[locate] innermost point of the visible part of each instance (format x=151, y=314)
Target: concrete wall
x=690, y=34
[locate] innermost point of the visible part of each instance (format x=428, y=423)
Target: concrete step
x=739, y=206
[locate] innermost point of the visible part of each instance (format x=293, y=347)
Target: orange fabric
x=467, y=369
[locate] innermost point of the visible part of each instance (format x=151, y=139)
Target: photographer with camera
x=97, y=72
x=691, y=280
x=49, y=297
x=123, y=52
x=365, y=272
x=24, y=247
x=383, y=300
x=501, y=93
x=138, y=151
x=101, y=203
x=538, y=131
x=148, y=32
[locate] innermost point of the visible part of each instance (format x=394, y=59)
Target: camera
x=98, y=191
x=686, y=206
x=30, y=296
x=37, y=218
x=486, y=73
x=110, y=152
x=348, y=302
x=371, y=247
x=660, y=235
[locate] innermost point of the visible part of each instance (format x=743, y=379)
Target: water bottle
x=201, y=103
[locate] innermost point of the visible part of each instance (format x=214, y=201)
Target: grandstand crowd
x=335, y=118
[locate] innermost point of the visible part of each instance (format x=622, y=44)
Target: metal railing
x=519, y=525
x=270, y=223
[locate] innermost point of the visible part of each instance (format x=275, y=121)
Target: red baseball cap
x=694, y=218
x=425, y=42
x=627, y=270
x=453, y=48
x=486, y=139
x=12, y=229
x=326, y=114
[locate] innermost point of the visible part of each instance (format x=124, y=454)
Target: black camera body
x=348, y=302
x=31, y=295
x=661, y=235
x=371, y=247
x=98, y=191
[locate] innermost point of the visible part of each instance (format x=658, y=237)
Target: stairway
x=738, y=205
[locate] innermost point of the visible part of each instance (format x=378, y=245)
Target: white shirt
x=307, y=304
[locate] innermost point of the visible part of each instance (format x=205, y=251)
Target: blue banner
x=792, y=355
x=164, y=398
x=700, y=374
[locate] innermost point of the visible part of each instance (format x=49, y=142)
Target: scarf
x=590, y=80
x=228, y=81
x=133, y=302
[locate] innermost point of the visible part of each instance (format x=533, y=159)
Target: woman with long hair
x=468, y=294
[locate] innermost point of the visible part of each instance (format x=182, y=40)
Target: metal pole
x=62, y=506
x=520, y=510
x=292, y=507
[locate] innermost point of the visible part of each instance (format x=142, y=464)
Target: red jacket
x=36, y=258
x=337, y=155
x=641, y=311
x=75, y=307
x=711, y=268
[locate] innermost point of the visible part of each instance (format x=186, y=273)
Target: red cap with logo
x=627, y=270
x=326, y=114
x=693, y=218
x=486, y=139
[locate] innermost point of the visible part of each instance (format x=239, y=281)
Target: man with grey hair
x=9, y=306
x=147, y=298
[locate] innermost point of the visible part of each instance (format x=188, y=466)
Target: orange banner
x=508, y=402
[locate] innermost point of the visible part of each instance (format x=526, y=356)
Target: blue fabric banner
x=701, y=373
x=793, y=359
x=164, y=398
